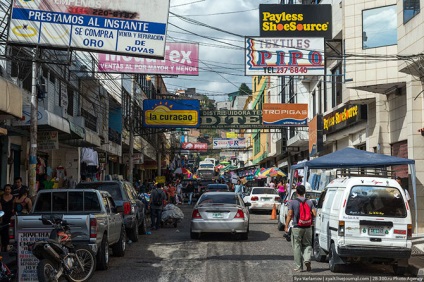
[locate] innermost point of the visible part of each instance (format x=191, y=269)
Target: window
x=379, y=27
x=410, y=9
x=375, y=201
x=257, y=143
x=314, y=102
x=336, y=86
x=319, y=98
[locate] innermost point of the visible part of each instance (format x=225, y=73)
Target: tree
x=244, y=89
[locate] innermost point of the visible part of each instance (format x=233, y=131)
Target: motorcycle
x=59, y=257
x=6, y=275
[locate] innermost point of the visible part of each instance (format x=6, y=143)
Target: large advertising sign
x=285, y=114
x=27, y=262
x=344, y=117
x=295, y=20
x=136, y=27
x=171, y=113
x=180, y=59
x=194, y=146
x=236, y=119
x=229, y=143
x=284, y=56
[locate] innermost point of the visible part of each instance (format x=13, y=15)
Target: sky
x=221, y=55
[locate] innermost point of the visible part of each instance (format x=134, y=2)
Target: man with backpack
x=302, y=212
x=156, y=206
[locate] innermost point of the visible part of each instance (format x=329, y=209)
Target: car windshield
x=217, y=186
x=375, y=201
x=112, y=188
x=263, y=191
x=308, y=195
x=212, y=198
x=206, y=165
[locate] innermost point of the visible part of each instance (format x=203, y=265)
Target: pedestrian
x=238, y=188
x=18, y=186
x=272, y=185
x=171, y=193
x=407, y=196
x=190, y=190
x=22, y=203
x=302, y=231
x=157, y=197
x=281, y=190
x=6, y=205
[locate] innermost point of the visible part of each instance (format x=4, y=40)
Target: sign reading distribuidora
x=136, y=27
x=295, y=20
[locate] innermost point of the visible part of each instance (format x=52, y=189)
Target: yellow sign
x=160, y=179
x=162, y=115
x=231, y=135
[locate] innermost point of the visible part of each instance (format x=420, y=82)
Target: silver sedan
x=220, y=212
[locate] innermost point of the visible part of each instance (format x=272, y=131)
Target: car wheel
x=119, y=247
x=245, y=235
x=194, y=235
x=280, y=225
x=103, y=255
x=142, y=228
x=317, y=251
x=334, y=267
x=133, y=233
x=399, y=270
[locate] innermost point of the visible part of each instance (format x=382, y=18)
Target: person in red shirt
x=171, y=193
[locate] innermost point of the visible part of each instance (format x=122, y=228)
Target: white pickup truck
x=93, y=217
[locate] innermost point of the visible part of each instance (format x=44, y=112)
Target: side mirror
x=248, y=204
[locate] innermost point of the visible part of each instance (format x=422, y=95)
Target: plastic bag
x=171, y=211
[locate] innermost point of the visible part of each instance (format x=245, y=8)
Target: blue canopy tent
x=354, y=158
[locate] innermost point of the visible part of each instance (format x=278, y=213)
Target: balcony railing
x=90, y=120
x=115, y=136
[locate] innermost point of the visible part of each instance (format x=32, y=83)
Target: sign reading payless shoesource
x=295, y=20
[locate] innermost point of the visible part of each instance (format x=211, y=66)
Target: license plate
x=375, y=231
x=266, y=199
x=217, y=215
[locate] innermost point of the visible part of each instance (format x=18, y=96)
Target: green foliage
x=244, y=89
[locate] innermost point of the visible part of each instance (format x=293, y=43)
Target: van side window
x=321, y=199
x=329, y=198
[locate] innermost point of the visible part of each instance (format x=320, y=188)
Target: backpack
x=305, y=216
x=157, y=198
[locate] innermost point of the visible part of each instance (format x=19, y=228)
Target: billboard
x=171, y=113
x=344, y=117
x=194, y=146
x=234, y=119
x=180, y=59
x=295, y=20
x=136, y=27
x=285, y=114
x=284, y=56
x=229, y=143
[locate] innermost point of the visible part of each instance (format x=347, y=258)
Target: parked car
x=217, y=187
x=310, y=194
x=220, y=212
x=125, y=195
x=93, y=216
x=363, y=219
x=262, y=198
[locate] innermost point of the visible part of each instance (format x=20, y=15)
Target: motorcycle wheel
x=88, y=260
x=46, y=271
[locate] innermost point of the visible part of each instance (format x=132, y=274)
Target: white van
x=363, y=219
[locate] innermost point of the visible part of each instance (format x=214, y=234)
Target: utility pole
x=33, y=126
x=131, y=119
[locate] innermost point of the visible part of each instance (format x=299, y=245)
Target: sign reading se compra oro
x=295, y=20
x=171, y=113
x=133, y=27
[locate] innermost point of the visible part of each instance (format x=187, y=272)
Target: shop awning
x=77, y=131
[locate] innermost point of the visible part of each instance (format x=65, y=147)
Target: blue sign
x=171, y=113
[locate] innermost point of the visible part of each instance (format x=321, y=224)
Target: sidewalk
x=416, y=262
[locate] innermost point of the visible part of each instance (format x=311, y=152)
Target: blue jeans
x=190, y=197
x=156, y=217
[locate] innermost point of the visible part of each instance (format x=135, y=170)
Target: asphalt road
x=168, y=254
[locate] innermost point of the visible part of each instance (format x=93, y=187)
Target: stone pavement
x=416, y=262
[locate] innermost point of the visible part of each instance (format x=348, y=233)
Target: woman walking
x=6, y=205
x=281, y=190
